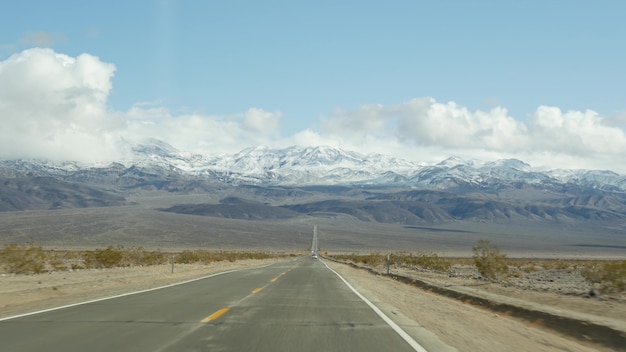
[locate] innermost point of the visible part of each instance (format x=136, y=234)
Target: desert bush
x=206, y=257
x=58, y=264
x=22, y=259
x=371, y=259
x=462, y=261
x=429, y=261
x=344, y=257
x=374, y=259
x=188, y=257
x=140, y=256
x=609, y=277
x=561, y=265
x=489, y=261
x=26, y=259
x=225, y=256
x=424, y=260
x=153, y=258
x=104, y=258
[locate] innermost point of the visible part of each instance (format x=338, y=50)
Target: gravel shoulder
x=556, y=291
x=458, y=324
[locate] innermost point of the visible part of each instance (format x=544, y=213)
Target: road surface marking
x=274, y=279
x=215, y=315
x=126, y=294
x=257, y=289
x=406, y=337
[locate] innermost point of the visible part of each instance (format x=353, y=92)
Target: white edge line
x=125, y=294
x=416, y=346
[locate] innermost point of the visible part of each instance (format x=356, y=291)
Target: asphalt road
x=291, y=306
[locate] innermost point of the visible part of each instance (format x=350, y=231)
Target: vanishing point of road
x=299, y=305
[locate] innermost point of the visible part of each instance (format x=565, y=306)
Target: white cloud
x=426, y=123
x=429, y=123
x=368, y=119
x=576, y=133
x=55, y=106
x=202, y=133
x=262, y=122
x=422, y=128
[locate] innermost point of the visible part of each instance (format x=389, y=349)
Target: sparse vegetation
x=25, y=259
x=143, y=257
x=609, y=277
x=430, y=261
x=605, y=276
x=104, y=258
x=489, y=261
x=33, y=259
x=206, y=257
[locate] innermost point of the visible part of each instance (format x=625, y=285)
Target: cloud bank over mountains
x=54, y=106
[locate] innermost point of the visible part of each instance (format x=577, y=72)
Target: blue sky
x=358, y=74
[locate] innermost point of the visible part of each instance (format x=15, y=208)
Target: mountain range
x=158, y=164
x=321, y=180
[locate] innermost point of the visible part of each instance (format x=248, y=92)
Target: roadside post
x=172, y=263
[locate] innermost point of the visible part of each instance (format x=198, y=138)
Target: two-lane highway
x=290, y=306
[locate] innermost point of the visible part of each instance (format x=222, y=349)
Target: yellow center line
x=274, y=279
x=283, y=273
x=215, y=315
x=257, y=289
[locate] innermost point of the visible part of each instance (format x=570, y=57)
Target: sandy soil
x=465, y=327
x=454, y=325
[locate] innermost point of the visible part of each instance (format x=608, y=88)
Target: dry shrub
x=22, y=259
x=31, y=259
x=429, y=261
x=188, y=257
x=141, y=257
x=371, y=259
x=489, y=261
x=58, y=264
x=609, y=277
x=207, y=257
x=104, y=258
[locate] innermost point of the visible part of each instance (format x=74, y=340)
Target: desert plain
x=450, y=323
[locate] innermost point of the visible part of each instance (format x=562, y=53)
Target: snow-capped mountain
x=156, y=162
x=288, y=166
x=455, y=172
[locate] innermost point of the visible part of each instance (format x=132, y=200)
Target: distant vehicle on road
x=314, y=245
